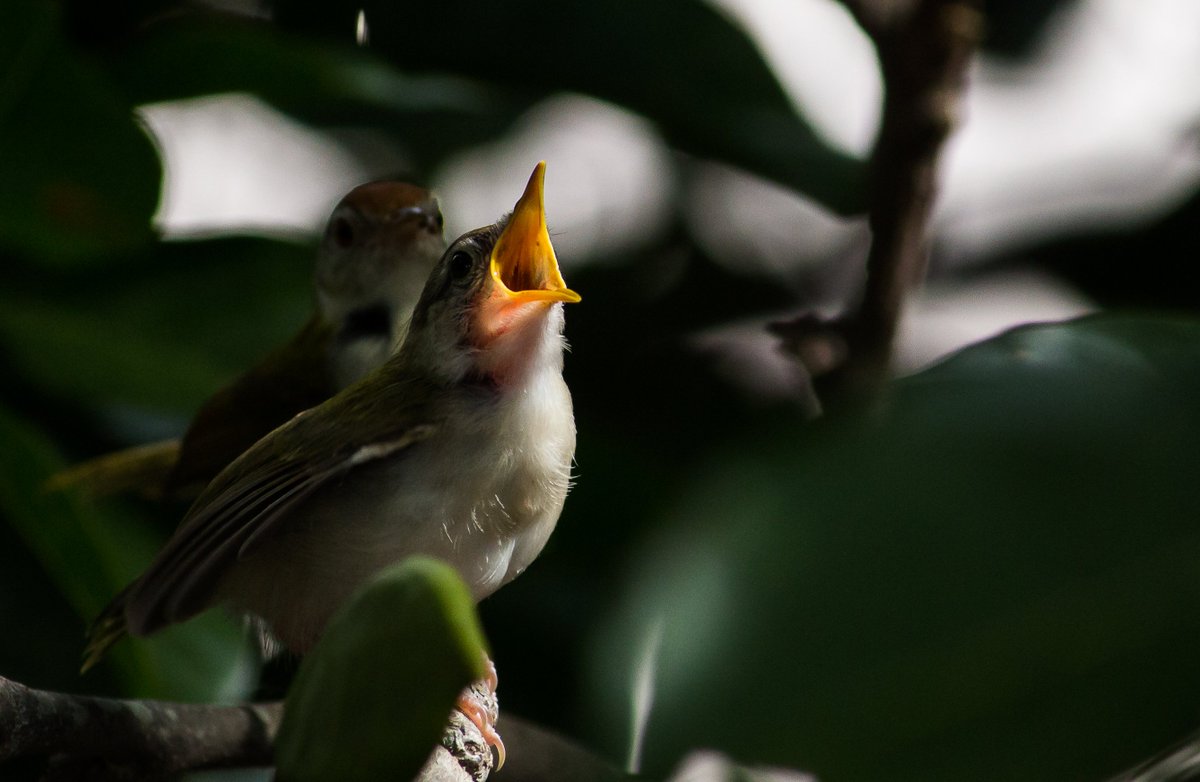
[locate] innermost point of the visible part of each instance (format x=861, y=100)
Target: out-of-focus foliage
x=679, y=62
x=372, y=697
x=1015, y=25
x=982, y=580
x=90, y=554
x=80, y=179
x=987, y=575
x=321, y=83
x=96, y=334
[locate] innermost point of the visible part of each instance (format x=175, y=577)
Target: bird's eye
x=342, y=232
x=440, y=220
x=460, y=265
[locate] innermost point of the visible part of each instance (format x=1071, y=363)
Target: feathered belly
x=486, y=514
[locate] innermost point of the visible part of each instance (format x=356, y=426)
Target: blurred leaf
x=1015, y=28
x=372, y=699
x=80, y=178
x=319, y=83
x=90, y=555
x=164, y=330
x=991, y=577
x=101, y=26
x=678, y=62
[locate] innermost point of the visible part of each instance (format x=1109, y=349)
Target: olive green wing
x=253, y=498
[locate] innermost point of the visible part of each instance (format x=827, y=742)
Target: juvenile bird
x=379, y=246
x=459, y=447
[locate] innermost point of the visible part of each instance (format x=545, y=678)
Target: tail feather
x=143, y=470
x=108, y=628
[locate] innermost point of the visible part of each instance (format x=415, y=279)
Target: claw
x=473, y=710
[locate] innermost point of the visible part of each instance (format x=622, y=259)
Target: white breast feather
x=483, y=494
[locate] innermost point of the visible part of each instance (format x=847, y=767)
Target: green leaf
x=90, y=554
x=993, y=576
x=80, y=177
x=316, y=82
x=372, y=699
x=678, y=62
x=164, y=330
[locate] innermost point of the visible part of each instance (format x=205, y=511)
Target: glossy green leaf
x=166, y=330
x=678, y=62
x=992, y=576
x=80, y=178
x=90, y=554
x=372, y=699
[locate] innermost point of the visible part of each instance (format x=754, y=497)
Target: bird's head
x=379, y=246
x=492, y=306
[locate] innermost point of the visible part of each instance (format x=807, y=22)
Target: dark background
x=991, y=577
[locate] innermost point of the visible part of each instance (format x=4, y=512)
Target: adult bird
x=459, y=447
x=378, y=248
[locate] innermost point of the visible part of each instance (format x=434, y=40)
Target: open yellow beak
x=523, y=264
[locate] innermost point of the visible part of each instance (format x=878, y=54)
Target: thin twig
x=924, y=47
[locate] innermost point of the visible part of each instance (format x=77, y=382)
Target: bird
x=459, y=447
x=380, y=243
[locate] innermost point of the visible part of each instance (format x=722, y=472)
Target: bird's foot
x=478, y=703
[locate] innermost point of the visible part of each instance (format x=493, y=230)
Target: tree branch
x=53, y=736
x=72, y=736
x=924, y=47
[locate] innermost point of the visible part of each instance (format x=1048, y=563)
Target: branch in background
x=53, y=736
x=924, y=47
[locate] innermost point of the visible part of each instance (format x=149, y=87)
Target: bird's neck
x=364, y=338
x=514, y=358
x=501, y=362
